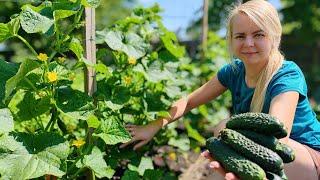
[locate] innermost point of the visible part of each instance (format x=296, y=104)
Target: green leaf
x=33, y=22
x=27, y=156
x=163, y=114
x=61, y=14
x=145, y=163
x=182, y=143
x=96, y=163
x=156, y=74
x=7, y=70
x=26, y=66
x=113, y=106
x=130, y=175
x=151, y=174
x=193, y=133
x=6, y=121
x=74, y=103
x=112, y=132
x=14, y=26
x=169, y=40
x=4, y=32
x=90, y=3
x=173, y=91
x=76, y=47
x=93, y=121
x=130, y=43
x=23, y=103
x=73, y=5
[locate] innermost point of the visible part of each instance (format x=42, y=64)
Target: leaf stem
x=27, y=44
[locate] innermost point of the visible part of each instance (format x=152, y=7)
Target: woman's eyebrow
x=255, y=32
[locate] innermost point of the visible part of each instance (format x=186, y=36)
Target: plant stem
x=27, y=44
x=52, y=119
x=39, y=123
x=30, y=83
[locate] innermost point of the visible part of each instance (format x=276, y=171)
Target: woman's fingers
x=141, y=143
x=129, y=142
x=207, y=155
x=231, y=176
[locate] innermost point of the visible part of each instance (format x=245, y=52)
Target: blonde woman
x=260, y=80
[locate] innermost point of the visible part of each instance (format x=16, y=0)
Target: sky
x=178, y=14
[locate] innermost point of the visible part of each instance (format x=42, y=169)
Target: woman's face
x=248, y=42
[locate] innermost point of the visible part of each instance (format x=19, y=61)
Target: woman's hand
x=215, y=165
x=143, y=134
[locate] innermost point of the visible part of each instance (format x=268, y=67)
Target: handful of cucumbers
x=249, y=147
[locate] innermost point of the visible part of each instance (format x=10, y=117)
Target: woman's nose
x=249, y=41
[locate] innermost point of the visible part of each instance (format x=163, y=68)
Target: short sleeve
x=290, y=80
x=225, y=75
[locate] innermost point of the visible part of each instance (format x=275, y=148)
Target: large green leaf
x=26, y=66
x=96, y=163
x=33, y=22
x=182, y=142
x=130, y=43
x=145, y=163
x=169, y=40
x=156, y=73
x=76, y=47
x=26, y=156
x=4, y=32
x=112, y=132
x=26, y=105
x=74, y=103
x=7, y=70
x=6, y=121
x=61, y=14
x=130, y=175
x=14, y=26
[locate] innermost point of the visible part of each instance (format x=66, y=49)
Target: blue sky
x=179, y=13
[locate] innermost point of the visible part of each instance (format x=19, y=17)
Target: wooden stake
x=90, y=79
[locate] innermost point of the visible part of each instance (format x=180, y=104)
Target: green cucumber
x=264, y=157
x=258, y=122
x=234, y=162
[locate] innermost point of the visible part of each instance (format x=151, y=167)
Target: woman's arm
x=207, y=92
x=143, y=134
x=283, y=107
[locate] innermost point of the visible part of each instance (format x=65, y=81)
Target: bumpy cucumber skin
x=284, y=151
x=258, y=122
x=264, y=157
x=267, y=141
x=233, y=162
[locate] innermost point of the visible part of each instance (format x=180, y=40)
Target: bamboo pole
x=90, y=75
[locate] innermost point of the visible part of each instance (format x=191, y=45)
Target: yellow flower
x=42, y=57
x=127, y=80
x=78, y=143
x=61, y=60
x=172, y=156
x=132, y=60
x=52, y=76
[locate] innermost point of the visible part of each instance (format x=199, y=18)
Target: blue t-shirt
x=306, y=127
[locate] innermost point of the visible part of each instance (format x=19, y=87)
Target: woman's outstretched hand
x=215, y=165
x=142, y=134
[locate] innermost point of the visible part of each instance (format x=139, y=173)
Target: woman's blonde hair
x=265, y=16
